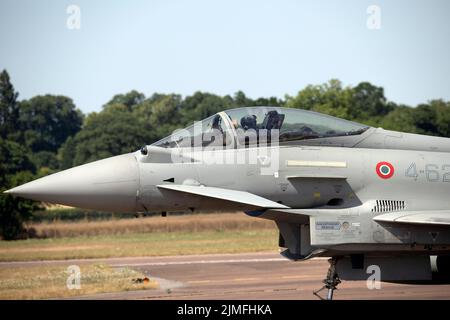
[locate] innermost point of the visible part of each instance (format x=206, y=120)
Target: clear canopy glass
x=291, y=124
x=211, y=131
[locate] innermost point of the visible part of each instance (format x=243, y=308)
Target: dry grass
x=152, y=236
x=186, y=223
x=140, y=244
x=50, y=281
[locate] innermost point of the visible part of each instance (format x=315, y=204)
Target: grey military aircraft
x=372, y=200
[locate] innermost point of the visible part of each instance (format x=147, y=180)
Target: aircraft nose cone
x=110, y=184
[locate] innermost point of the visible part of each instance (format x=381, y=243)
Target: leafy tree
x=45, y=159
x=425, y=119
x=15, y=166
x=400, y=119
x=368, y=101
x=271, y=101
x=442, y=117
x=13, y=158
x=241, y=100
x=433, y=118
x=9, y=111
x=165, y=116
x=307, y=99
x=129, y=99
x=47, y=121
x=202, y=105
x=66, y=154
x=15, y=169
x=329, y=98
x=105, y=134
x=364, y=103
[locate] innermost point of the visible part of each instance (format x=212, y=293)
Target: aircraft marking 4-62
x=432, y=172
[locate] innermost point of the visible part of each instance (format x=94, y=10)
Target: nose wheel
x=331, y=282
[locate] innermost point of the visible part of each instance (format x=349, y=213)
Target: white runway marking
x=197, y=262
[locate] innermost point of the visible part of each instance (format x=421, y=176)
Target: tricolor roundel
x=385, y=170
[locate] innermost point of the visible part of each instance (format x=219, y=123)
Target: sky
x=262, y=47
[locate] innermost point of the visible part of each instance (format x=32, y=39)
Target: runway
x=244, y=276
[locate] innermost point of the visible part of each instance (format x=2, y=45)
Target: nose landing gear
x=331, y=282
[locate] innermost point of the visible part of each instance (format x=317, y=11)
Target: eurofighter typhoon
x=367, y=198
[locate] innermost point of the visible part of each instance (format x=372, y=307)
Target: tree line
x=48, y=133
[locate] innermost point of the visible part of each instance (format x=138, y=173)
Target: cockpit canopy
x=252, y=125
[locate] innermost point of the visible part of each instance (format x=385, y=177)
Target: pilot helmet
x=248, y=122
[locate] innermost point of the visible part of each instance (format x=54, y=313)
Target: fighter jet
x=376, y=202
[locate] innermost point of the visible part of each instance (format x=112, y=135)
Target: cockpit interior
x=249, y=126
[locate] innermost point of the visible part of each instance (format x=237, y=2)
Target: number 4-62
x=432, y=172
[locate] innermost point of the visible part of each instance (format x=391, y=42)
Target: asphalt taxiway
x=244, y=276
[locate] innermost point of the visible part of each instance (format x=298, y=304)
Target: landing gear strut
x=331, y=281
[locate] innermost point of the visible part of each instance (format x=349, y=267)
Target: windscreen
x=293, y=124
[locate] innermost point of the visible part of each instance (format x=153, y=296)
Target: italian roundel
x=385, y=170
